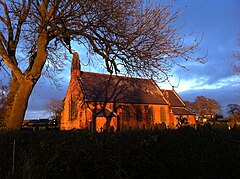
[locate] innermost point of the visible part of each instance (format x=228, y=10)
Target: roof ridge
x=136, y=91
x=79, y=79
x=154, y=82
x=103, y=74
x=184, y=109
x=179, y=97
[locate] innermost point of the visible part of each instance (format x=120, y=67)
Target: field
x=183, y=153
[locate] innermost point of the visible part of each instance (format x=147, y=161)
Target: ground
x=182, y=153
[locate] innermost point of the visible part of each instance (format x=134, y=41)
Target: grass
x=183, y=153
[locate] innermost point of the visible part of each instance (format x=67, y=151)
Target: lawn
x=182, y=153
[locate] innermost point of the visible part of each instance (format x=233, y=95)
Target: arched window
x=73, y=108
x=126, y=114
x=150, y=113
x=162, y=114
x=138, y=113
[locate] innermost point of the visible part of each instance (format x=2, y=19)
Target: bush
x=182, y=153
x=222, y=126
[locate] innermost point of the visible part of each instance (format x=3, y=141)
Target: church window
x=162, y=114
x=73, y=108
x=126, y=114
x=138, y=113
x=150, y=114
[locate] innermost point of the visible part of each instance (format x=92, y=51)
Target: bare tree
x=190, y=106
x=138, y=36
x=3, y=92
x=205, y=107
x=233, y=111
x=232, y=108
x=236, y=62
x=106, y=90
x=55, y=107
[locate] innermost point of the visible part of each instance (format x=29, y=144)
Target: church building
x=97, y=101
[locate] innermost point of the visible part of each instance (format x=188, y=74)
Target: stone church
x=97, y=101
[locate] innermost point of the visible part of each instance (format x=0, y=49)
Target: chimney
x=75, y=68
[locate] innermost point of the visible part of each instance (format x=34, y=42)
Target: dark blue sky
x=219, y=21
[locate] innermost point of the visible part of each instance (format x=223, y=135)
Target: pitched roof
x=120, y=89
x=181, y=111
x=176, y=103
x=174, y=98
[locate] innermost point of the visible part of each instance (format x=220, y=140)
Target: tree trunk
x=94, y=120
x=118, y=123
x=108, y=122
x=22, y=83
x=17, y=101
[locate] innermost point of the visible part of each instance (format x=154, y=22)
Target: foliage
x=132, y=154
x=137, y=36
x=222, y=126
x=182, y=121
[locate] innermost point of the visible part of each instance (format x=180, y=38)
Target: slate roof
x=174, y=99
x=177, y=105
x=181, y=111
x=120, y=89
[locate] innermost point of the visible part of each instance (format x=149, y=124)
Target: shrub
x=182, y=153
x=222, y=126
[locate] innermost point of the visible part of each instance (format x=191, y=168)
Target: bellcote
x=76, y=67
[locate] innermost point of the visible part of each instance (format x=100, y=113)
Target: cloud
x=218, y=20
x=39, y=114
x=224, y=95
